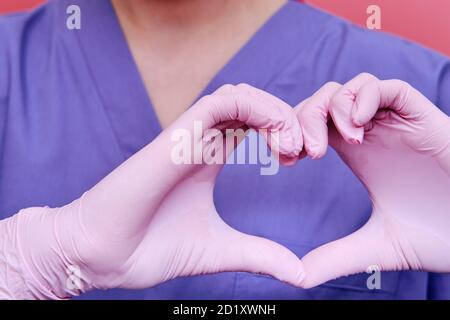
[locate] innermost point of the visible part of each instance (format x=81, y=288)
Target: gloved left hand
x=398, y=144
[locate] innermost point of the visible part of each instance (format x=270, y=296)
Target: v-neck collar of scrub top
x=120, y=86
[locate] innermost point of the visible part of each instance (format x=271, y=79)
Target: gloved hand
x=398, y=144
x=151, y=219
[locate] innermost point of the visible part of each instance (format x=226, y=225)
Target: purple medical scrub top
x=73, y=107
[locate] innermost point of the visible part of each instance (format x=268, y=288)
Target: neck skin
x=173, y=15
x=180, y=45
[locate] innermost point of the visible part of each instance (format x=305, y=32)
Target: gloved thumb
x=259, y=255
x=366, y=249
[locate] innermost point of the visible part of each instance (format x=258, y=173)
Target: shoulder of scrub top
x=25, y=46
x=340, y=50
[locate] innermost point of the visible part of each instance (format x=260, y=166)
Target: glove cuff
x=50, y=272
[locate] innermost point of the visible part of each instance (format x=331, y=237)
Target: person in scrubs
x=75, y=103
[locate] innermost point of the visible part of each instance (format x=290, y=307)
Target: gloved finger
x=231, y=139
x=299, y=106
x=225, y=89
x=341, y=106
x=356, y=253
x=303, y=154
x=285, y=109
x=287, y=112
x=313, y=117
x=255, y=113
x=259, y=255
x=387, y=94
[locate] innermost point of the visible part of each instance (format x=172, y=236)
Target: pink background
x=424, y=21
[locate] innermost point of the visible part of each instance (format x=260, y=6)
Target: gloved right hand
x=152, y=220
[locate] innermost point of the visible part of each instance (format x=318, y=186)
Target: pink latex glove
x=398, y=144
x=150, y=220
